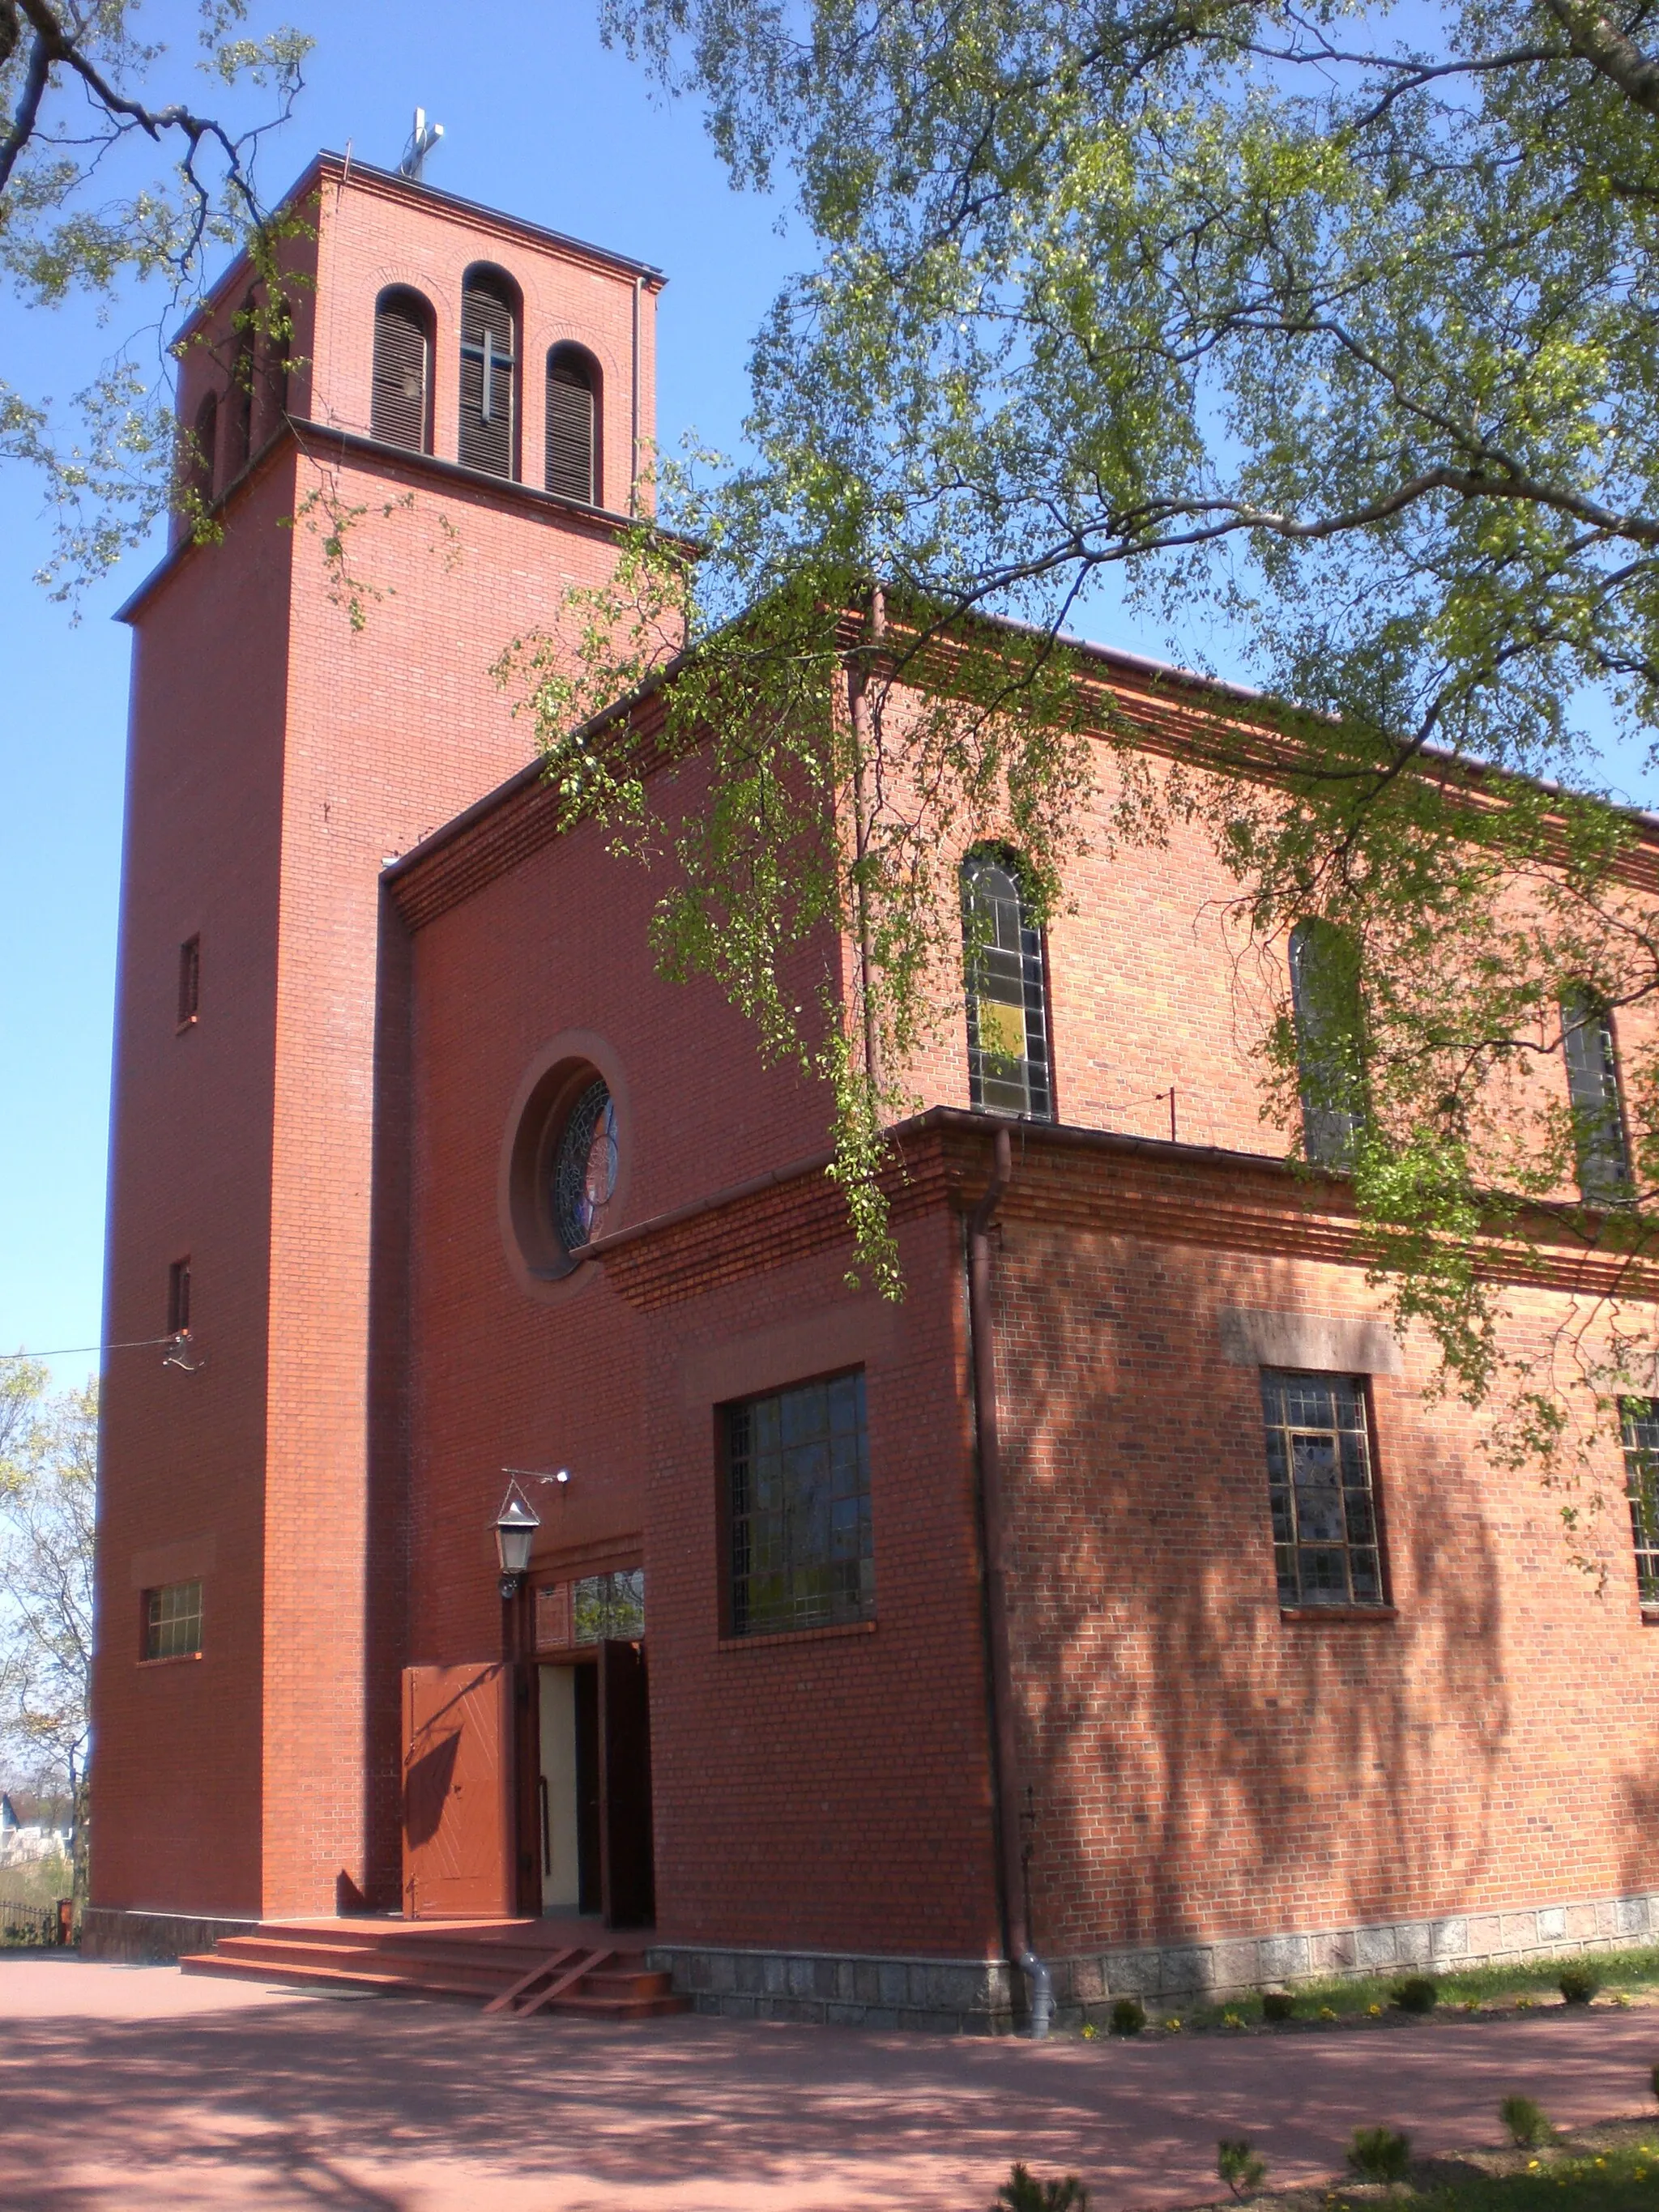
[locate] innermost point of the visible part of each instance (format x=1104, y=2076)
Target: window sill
x=1339, y=1612
x=1651, y=1616
x=172, y=1659
x=797, y=1636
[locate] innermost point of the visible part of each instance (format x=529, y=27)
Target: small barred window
x=1319, y=1488
x=1330, y=1040
x=797, y=1475
x=172, y=1621
x=606, y=1608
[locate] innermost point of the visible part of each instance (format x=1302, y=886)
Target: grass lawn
x=1611, y=2168
x=1626, y=1977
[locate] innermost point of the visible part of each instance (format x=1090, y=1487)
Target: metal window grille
x=569, y=425
x=488, y=376
x=798, y=1471
x=1007, y=1003
x=399, y=396
x=1598, y=1121
x=609, y=1607
x=1641, y=1425
x=1319, y=1488
x=173, y=1624
x=1330, y=1040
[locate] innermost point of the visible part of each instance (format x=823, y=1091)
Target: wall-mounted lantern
x=515, y=1531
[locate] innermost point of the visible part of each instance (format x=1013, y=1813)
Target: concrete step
x=398, y=1961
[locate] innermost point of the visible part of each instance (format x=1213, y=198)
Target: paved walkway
x=132, y=2087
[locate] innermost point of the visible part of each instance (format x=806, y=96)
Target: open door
x=624, y=1733
x=458, y=1841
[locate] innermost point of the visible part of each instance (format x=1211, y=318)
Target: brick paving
x=135, y=2086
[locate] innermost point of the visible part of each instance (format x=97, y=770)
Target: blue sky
x=538, y=120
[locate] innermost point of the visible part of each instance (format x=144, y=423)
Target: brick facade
x=333, y=1143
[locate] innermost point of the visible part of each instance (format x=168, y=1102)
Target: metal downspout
x=1007, y=1732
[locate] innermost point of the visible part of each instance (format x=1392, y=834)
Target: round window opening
x=583, y=1180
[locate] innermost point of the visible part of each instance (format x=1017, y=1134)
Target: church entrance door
x=627, y=1864
x=457, y=1823
x=594, y=1786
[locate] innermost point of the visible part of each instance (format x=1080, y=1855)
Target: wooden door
x=459, y=1840
x=625, y=1787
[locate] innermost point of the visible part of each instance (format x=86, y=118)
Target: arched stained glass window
x=1008, y=1067
x=489, y=370
x=401, y=413
x=1598, y=1113
x=1326, y=1004
x=572, y=389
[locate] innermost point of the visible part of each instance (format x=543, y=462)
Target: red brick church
x=1117, y=1603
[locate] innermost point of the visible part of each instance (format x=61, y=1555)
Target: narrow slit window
x=1326, y=1545
x=488, y=373
x=1641, y=1429
x=400, y=404
x=190, y=980
x=1598, y=1115
x=572, y=413
x=798, y=1509
x=1325, y=1008
x=1008, y=1068
x=172, y=1621
x=179, y=1297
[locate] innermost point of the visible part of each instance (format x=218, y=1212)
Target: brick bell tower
x=465, y=411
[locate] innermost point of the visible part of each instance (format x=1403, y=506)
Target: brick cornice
x=1090, y=1181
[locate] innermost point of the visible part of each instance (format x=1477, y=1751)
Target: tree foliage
x=48, y=1497
x=79, y=219
x=1324, y=329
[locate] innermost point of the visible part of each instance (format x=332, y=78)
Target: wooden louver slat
x=569, y=428
x=486, y=444
x=399, y=417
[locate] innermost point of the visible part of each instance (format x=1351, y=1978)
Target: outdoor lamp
x=515, y=1531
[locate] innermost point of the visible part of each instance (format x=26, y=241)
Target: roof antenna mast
x=422, y=140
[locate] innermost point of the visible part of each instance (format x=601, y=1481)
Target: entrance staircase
x=508, y=1967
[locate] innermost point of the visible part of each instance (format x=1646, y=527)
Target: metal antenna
x=422, y=140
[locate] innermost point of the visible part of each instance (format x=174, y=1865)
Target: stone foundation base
x=848, y=1988
x=958, y=1996
x=1085, y=1988
x=132, y=1938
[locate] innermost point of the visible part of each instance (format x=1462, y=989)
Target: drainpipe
x=1016, y=1920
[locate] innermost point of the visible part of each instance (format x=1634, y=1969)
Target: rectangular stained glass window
x=172, y=1621
x=797, y=1470
x=1319, y=1488
x=609, y=1609
x=1641, y=1417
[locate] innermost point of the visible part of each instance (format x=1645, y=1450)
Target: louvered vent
x=205, y=451
x=569, y=425
x=239, y=428
x=400, y=372
x=486, y=374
